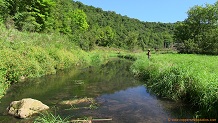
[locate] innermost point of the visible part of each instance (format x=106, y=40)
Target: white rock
x=26, y=107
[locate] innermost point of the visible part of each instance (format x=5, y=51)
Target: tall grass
x=25, y=55
x=192, y=78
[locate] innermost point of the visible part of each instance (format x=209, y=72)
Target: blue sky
x=149, y=10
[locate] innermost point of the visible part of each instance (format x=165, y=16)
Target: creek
x=106, y=91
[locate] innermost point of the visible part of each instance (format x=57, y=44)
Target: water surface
x=115, y=91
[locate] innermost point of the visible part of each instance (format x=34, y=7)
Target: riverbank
x=28, y=55
x=191, y=78
x=111, y=91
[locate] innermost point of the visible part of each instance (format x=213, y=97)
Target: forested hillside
x=85, y=25
x=111, y=29
x=89, y=27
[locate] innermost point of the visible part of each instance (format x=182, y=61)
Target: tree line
x=85, y=25
x=111, y=29
x=89, y=27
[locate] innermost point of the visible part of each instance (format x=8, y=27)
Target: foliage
x=3, y=84
x=88, y=41
x=79, y=19
x=2, y=10
x=105, y=36
x=90, y=27
x=191, y=78
x=29, y=15
x=26, y=55
x=85, y=25
x=128, y=33
x=196, y=32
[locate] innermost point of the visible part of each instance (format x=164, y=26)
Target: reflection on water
x=119, y=96
x=133, y=105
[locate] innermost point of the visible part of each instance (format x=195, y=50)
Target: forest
x=87, y=26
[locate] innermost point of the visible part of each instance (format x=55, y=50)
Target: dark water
x=114, y=91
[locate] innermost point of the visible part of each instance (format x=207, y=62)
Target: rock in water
x=26, y=107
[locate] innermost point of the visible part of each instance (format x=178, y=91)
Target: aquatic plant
x=50, y=118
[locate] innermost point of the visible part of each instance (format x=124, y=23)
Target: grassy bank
x=26, y=55
x=192, y=78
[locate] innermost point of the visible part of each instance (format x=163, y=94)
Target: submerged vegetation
x=191, y=78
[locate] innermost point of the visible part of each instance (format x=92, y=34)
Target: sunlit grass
x=26, y=55
x=192, y=78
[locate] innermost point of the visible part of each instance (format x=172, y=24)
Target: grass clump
x=192, y=78
x=50, y=118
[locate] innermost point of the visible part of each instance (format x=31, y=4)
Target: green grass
x=50, y=118
x=27, y=55
x=191, y=78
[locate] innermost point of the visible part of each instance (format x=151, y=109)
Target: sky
x=166, y=11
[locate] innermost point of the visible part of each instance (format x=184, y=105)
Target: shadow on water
x=116, y=94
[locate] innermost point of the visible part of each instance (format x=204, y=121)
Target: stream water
x=111, y=91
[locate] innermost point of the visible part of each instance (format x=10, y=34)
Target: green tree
x=85, y=25
x=34, y=12
x=132, y=40
x=25, y=21
x=123, y=25
x=193, y=33
x=67, y=19
x=88, y=41
x=79, y=20
x=105, y=36
x=2, y=9
x=168, y=40
x=210, y=44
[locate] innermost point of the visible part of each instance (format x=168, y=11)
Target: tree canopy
x=198, y=33
x=114, y=30
x=85, y=25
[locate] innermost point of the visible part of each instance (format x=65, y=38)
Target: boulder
x=26, y=107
